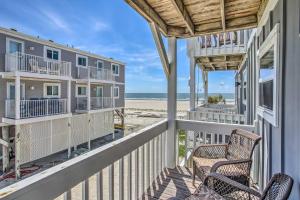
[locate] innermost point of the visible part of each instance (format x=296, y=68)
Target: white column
x=5, y=149
x=69, y=96
x=192, y=83
x=172, y=90
x=17, y=97
x=205, y=86
x=88, y=91
x=17, y=151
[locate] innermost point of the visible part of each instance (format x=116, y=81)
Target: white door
x=99, y=91
x=15, y=48
x=11, y=91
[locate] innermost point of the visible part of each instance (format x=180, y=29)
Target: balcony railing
x=220, y=117
x=82, y=103
x=36, y=108
x=95, y=73
x=34, y=64
x=101, y=102
x=221, y=43
x=133, y=164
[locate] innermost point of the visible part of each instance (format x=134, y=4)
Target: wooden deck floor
x=172, y=184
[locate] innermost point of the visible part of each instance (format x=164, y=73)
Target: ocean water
x=180, y=96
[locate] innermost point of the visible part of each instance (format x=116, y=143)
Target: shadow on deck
x=172, y=184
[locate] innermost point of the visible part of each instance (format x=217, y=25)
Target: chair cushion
x=203, y=165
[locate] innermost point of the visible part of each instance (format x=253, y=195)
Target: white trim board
x=54, y=45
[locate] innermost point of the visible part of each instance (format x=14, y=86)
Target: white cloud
x=100, y=26
x=57, y=21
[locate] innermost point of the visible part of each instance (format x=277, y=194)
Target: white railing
x=123, y=168
x=36, y=108
x=218, y=108
x=101, y=74
x=221, y=43
x=101, y=102
x=34, y=64
x=82, y=103
x=219, y=117
x=95, y=73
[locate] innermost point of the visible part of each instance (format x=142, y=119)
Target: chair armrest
x=211, y=151
x=229, y=188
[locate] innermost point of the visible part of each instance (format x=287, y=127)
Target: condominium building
x=54, y=97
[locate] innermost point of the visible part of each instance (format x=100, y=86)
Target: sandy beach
x=142, y=113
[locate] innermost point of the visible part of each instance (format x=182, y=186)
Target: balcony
x=132, y=167
x=35, y=108
x=96, y=103
x=101, y=102
x=219, y=44
x=95, y=74
x=35, y=65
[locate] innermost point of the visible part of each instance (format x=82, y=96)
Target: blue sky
x=108, y=28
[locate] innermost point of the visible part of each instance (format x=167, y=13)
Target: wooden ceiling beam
x=149, y=13
x=222, y=5
x=179, y=6
x=160, y=48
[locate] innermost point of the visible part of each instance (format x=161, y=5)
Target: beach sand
x=142, y=113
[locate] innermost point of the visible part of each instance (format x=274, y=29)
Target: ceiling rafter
x=222, y=6
x=180, y=7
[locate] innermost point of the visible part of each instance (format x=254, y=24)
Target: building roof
x=24, y=36
x=188, y=18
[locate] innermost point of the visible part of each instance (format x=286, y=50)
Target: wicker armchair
x=232, y=160
x=217, y=186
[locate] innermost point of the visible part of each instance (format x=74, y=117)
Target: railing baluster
x=111, y=182
x=99, y=183
x=121, y=179
x=152, y=160
x=143, y=169
x=85, y=189
x=129, y=177
x=137, y=173
x=157, y=155
x=68, y=195
x=148, y=165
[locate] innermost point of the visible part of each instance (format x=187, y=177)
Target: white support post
x=88, y=95
x=5, y=149
x=17, y=97
x=192, y=83
x=205, y=86
x=172, y=100
x=17, y=152
x=69, y=136
x=69, y=97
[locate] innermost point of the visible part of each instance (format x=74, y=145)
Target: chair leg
x=194, y=173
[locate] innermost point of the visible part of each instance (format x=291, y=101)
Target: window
x=81, y=61
x=51, y=53
x=268, y=87
x=99, y=65
x=115, y=69
x=116, y=92
x=81, y=91
x=52, y=90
